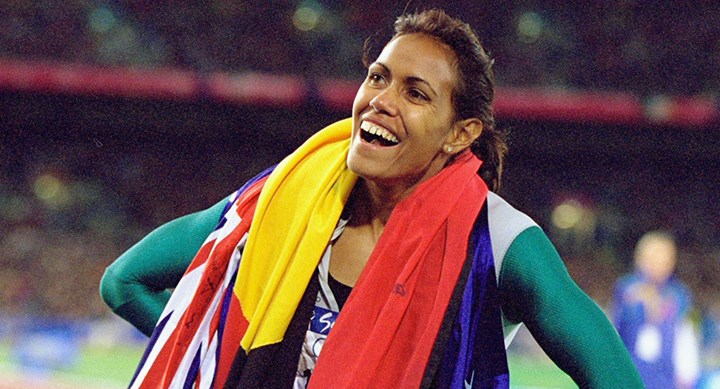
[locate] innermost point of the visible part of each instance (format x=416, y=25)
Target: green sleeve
x=536, y=289
x=136, y=285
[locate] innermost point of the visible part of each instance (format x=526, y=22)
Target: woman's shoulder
x=503, y=213
x=505, y=223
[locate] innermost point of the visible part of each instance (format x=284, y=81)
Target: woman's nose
x=385, y=102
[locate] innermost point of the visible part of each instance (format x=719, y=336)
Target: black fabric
x=339, y=290
x=274, y=366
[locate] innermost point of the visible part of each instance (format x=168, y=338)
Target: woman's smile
x=375, y=134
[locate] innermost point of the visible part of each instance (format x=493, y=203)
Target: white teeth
x=379, y=131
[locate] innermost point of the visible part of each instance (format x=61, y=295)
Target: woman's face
x=403, y=113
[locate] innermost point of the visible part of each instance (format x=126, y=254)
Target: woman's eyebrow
x=382, y=65
x=409, y=79
x=418, y=80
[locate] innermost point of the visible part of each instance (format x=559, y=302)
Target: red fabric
x=231, y=340
x=386, y=331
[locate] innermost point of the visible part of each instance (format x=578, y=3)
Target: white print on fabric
x=323, y=319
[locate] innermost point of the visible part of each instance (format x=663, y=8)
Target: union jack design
x=190, y=347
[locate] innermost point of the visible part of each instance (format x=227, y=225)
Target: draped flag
x=241, y=293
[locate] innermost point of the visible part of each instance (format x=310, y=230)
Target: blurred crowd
x=648, y=47
x=71, y=203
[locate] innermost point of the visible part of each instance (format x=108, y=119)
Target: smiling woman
x=376, y=255
x=408, y=96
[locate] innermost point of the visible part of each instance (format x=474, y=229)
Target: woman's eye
x=417, y=95
x=375, y=78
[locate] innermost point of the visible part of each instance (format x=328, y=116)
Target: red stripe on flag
x=235, y=327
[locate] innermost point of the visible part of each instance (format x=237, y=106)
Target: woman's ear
x=463, y=134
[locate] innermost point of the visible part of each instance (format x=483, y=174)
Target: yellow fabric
x=294, y=220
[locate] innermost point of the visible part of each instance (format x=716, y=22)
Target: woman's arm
x=535, y=288
x=136, y=285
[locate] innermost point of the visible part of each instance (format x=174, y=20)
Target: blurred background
x=117, y=116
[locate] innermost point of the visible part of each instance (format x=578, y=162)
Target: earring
x=449, y=149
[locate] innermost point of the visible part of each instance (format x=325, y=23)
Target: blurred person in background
x=380, y=242
x=710, y=377
x=651, y=309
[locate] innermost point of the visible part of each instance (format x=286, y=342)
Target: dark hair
x=475, y=90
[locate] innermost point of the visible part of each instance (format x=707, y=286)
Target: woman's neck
x=372, y=204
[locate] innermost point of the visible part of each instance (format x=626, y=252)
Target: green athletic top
x=535, y=289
